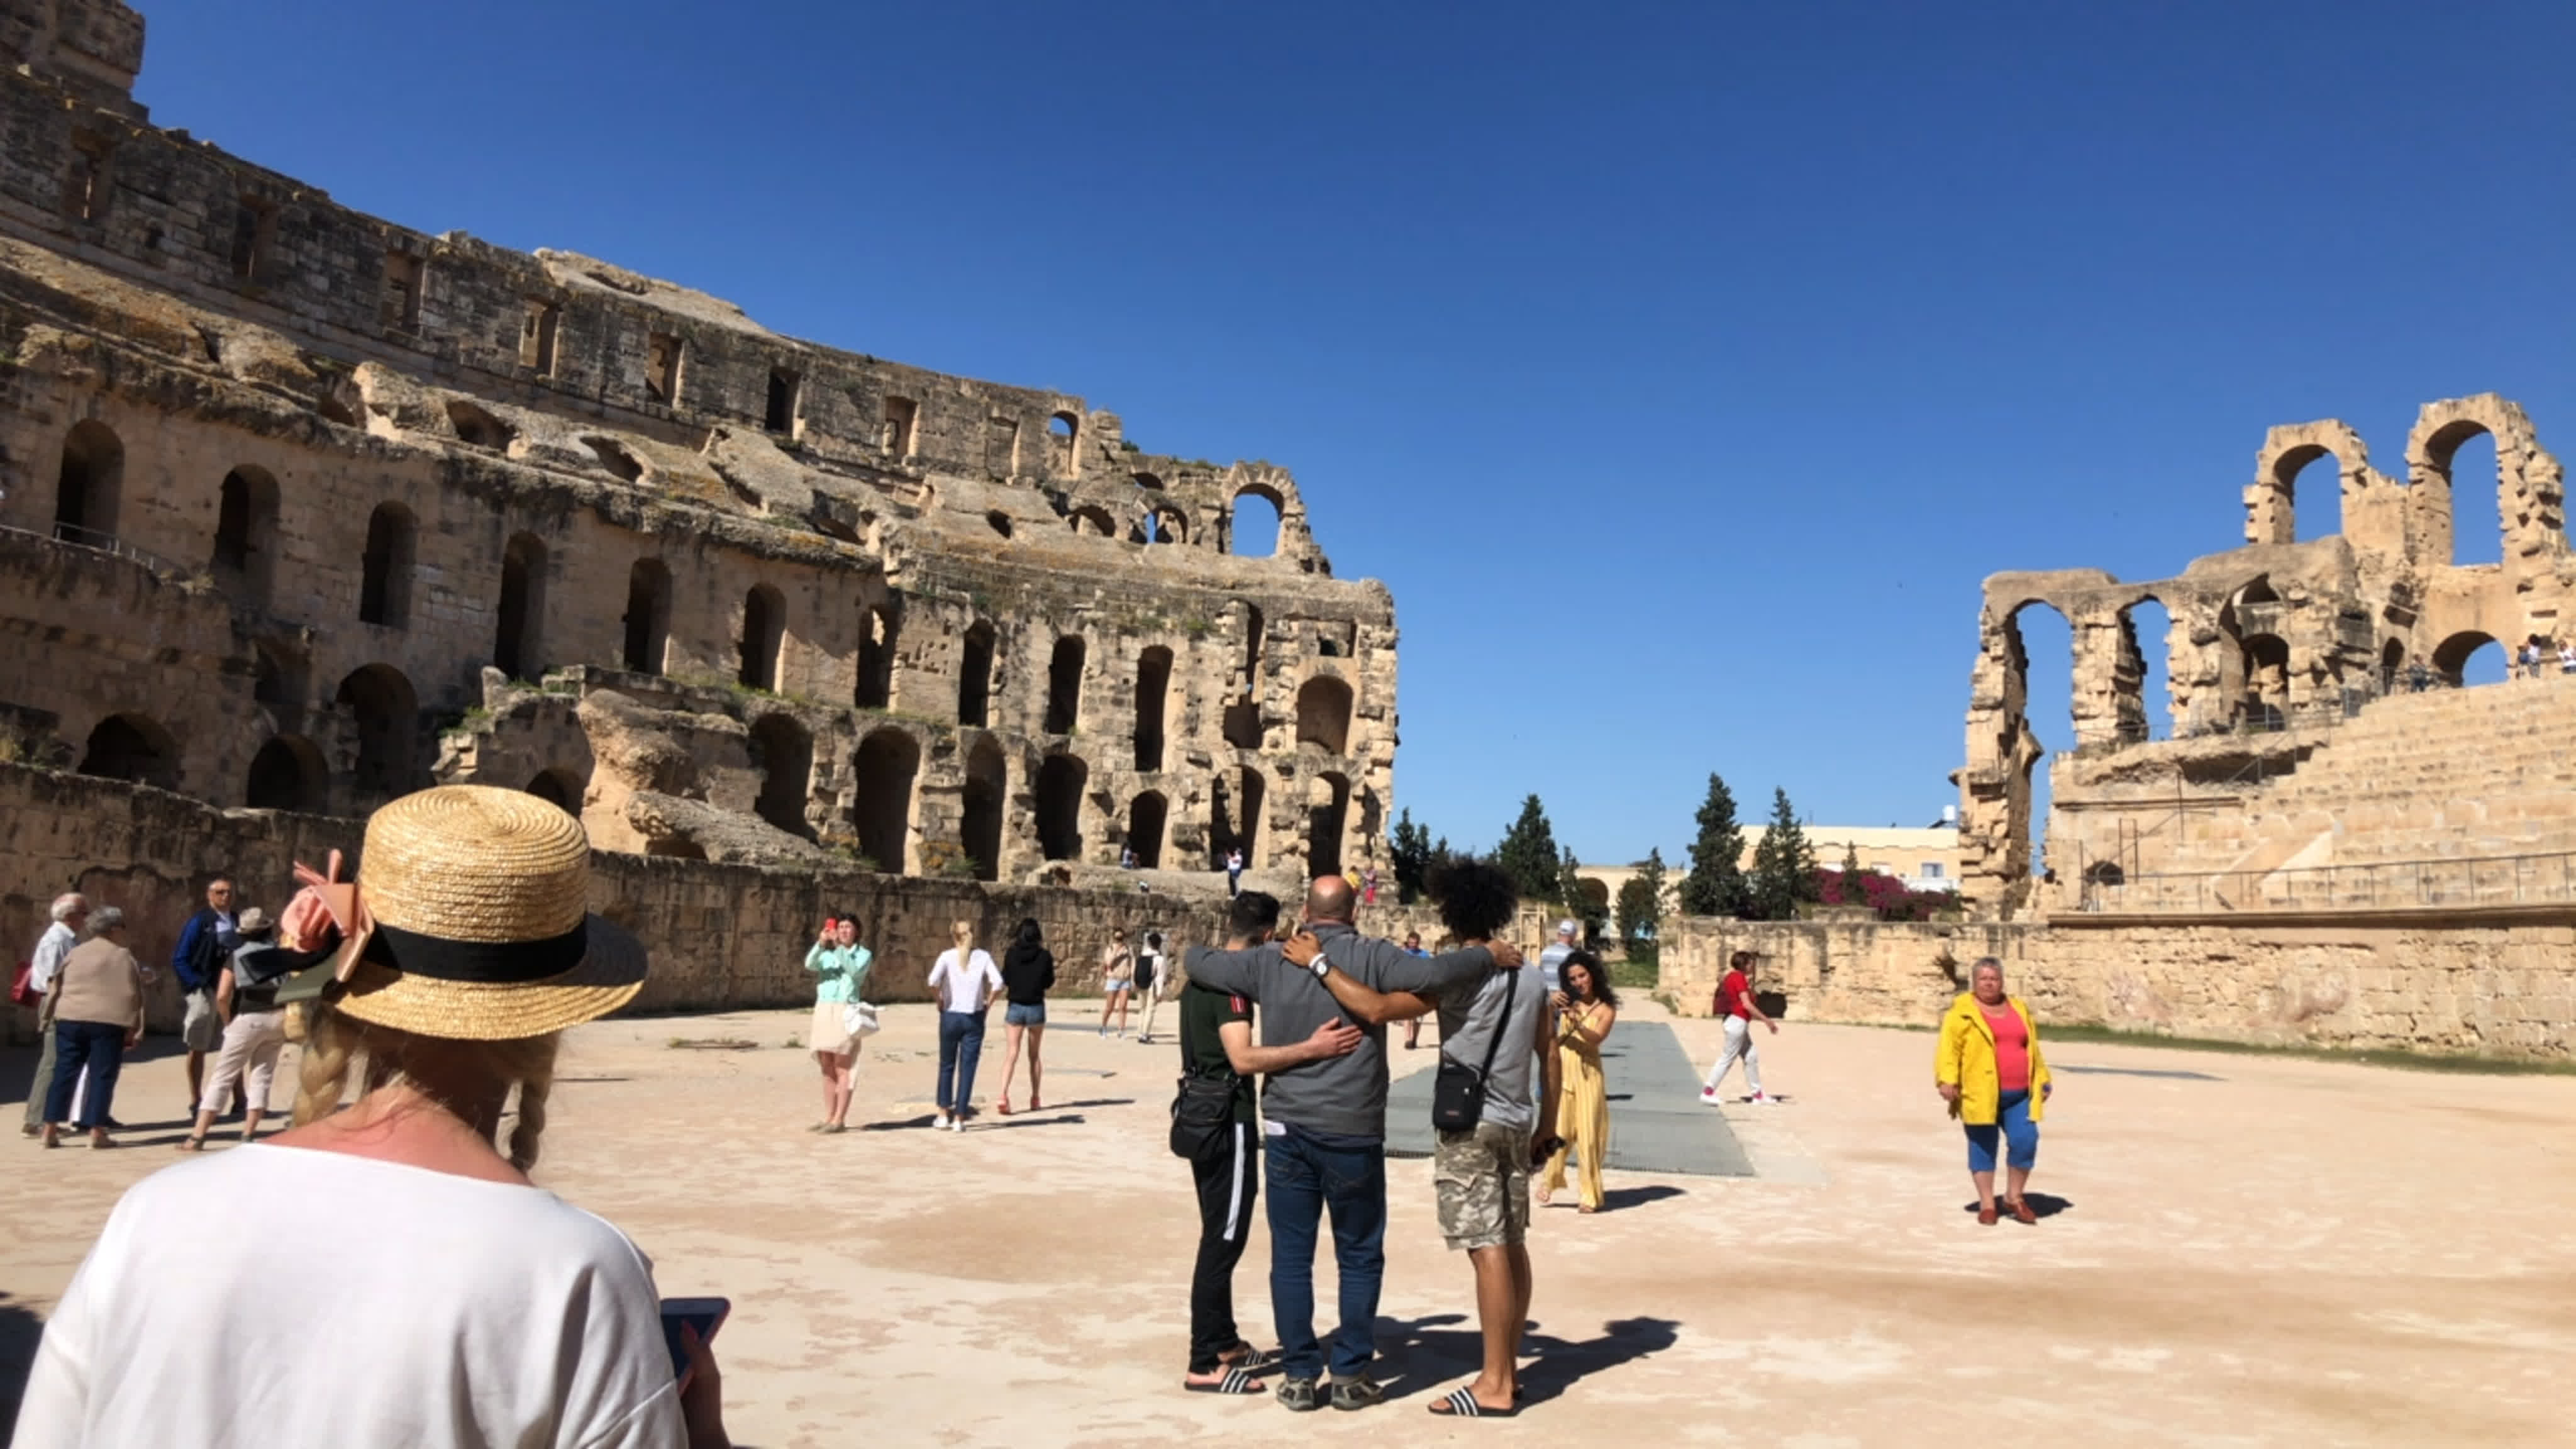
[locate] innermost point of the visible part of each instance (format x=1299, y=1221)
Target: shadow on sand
x=2042, y=1205
x=1428, y=1354
x=20, y=1329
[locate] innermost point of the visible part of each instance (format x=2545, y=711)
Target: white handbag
x=859, y=1019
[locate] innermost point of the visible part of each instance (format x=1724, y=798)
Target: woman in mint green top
x=842, y=963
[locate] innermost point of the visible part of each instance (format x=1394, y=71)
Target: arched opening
x=1092, y=520
x=975, y=677
x=888, y=759
x=245, y=529
x=1060, y=784
x=1235, y=824
x=387, y=713
x=523, y=604
x=987, y=784
x=1254, y=532
x=648, y=615
x=1064, y=433
x=784, y=753
x=998, y=521
x=87, y=488
x=2392, y=665
x=2047, y=668
x=764, y=629
x=559, y=788
x=2471, y=657
x=1324, y=714
x=1328, y=804
x=287, y=774
x=876, y=656
x=132, y=747
x=1153, y=689
x=2142, y=687
x=2316, y=510
x=2267, y=683
x=1145, y=829
x=385, y=570
x=2463, y=459
x=478, y=428
x=1064, y=686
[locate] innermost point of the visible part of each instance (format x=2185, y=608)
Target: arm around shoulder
x=1237, y=973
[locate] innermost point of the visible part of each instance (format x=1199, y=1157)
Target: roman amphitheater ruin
x=2335, y=844
x=300, y=509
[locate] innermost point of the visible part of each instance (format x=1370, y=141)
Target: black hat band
x=490, y=963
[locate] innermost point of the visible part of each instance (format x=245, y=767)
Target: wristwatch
x=1319, y=966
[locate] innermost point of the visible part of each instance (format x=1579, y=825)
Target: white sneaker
x=956, y=1124
x=1708, y=1096
x=1763, y=1099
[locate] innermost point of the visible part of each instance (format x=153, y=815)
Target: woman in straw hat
x=966, y=982
x=415, y=1288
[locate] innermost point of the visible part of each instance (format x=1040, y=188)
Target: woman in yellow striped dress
x=1586, y=1010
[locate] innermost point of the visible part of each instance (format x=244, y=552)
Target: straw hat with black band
x=473, y=925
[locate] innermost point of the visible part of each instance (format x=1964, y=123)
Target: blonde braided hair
x=333, y=1043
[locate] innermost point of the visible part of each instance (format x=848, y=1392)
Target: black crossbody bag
x=1457, y=1090
x=1202, y=1114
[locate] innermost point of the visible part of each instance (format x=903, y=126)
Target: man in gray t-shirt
x=1482, y=1175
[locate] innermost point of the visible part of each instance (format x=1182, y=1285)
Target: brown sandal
x=194, y=1142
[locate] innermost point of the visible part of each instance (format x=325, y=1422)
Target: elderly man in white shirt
x=70, y=913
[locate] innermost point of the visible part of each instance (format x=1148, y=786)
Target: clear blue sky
x=1682, y=368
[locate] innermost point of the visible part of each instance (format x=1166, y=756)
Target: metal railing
x=107, y=543
x=2496, y=880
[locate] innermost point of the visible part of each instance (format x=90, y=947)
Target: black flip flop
x=1461, y=1404
x=1236, y=1381
x=1251, y=1360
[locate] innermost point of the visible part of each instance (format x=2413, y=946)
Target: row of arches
x=289, y=771
x=2481, y=436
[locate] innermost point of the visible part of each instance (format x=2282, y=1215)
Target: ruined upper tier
x=289, y=495
x=2272, y=646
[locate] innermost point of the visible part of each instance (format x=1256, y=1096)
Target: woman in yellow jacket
x=1990, y=1071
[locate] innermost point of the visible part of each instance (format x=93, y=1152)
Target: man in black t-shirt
x=1216, y=1041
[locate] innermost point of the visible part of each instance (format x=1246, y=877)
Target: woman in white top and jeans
x=966, y=981
x=381, y=1273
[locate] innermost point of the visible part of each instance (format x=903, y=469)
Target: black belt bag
x=1202, y=1115
x=1458, y=1090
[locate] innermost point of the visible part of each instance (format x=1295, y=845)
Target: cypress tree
x=1784, y=865
x=1716, y=885
x=1529, y=855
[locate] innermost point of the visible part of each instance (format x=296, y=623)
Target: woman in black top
x=1028, y=973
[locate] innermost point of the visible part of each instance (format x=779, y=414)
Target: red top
x=2012, y=1047
x=1731, y=993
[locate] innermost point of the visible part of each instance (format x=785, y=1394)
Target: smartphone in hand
x=706, y=1315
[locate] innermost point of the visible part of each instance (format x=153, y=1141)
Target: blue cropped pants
x=2020, y=1134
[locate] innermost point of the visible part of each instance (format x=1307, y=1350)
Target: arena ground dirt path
x=2253, y=1252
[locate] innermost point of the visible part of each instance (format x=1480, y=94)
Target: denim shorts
x=1033, y=1014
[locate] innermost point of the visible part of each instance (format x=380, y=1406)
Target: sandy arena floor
x=2285, y=1252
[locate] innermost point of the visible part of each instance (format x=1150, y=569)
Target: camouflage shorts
x=1483, y=1181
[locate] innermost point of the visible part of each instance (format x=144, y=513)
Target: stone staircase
x=2446, y=775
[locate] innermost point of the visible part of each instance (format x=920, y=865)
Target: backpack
x=260, y=966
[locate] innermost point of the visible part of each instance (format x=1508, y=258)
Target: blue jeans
x=1308, y=1178
x=961, y=1044
x=2020, y=1134
x=97, y=1045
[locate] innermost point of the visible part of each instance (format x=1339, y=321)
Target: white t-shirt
x=282, y=1296
x=963, y=989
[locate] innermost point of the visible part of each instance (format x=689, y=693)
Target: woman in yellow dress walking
x=1586, y=1010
